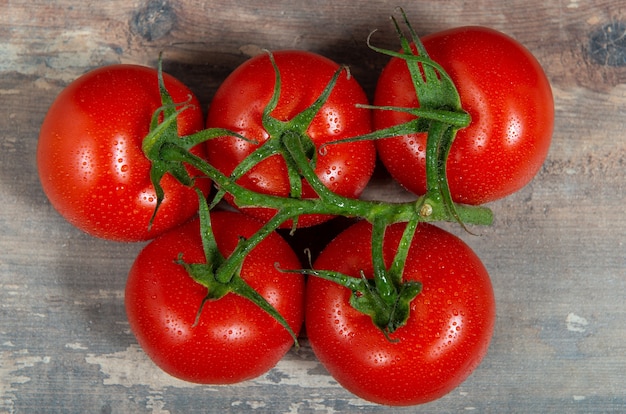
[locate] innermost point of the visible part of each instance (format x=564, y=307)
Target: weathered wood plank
x=555, y=252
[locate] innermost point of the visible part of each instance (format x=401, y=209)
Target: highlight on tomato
x=90, y=160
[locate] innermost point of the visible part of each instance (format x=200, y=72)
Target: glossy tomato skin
x=234, y=340
x=507, y=94
x=447, y=334
x=239, y=103
x=91, y=164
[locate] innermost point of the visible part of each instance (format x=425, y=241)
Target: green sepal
x=163, y=138
x=365, y=298
x=291, y=130
x=205, y=273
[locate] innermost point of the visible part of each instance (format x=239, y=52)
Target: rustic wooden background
x=555, y=253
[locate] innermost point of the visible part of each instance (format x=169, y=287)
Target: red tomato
x=91, y=164
x=507, y=94
x=446, y=336
x=239, y=103
x=234, y=340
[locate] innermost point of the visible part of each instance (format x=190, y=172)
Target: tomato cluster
x=399, y=311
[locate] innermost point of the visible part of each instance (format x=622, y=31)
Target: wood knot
x=607, y=45
x=155, y=20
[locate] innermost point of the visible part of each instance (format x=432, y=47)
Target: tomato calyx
x=281, y=132
x=440, y=115
x=388, y=311
x=385, y=297
x=163, y=137
x=220, y=280
x=435, y=91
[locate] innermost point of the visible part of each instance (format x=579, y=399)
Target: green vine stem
x=386, y=297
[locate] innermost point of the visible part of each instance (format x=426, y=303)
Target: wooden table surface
x=555, y=252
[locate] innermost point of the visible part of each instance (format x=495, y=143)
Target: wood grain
x=555, y=251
